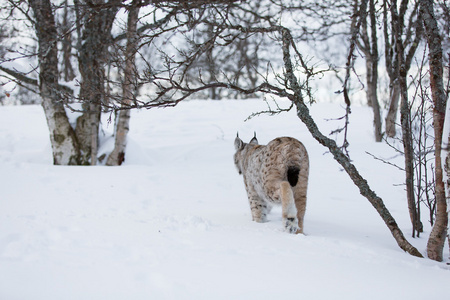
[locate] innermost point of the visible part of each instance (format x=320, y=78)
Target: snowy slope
x=174, y=222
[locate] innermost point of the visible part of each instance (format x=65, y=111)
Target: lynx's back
x=284, y=158
x=276, y=173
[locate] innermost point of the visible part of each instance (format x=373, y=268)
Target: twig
x=385, y=161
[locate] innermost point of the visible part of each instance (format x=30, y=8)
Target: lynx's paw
x=291, y=225
x=260, y=218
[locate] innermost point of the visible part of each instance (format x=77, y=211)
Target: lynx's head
x=241, y=150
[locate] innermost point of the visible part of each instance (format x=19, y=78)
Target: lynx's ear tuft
x=254, y=140
x=238, y=143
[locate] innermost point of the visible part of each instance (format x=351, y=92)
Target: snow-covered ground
x=174, y=222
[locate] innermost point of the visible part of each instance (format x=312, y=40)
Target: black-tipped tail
x=292, y=175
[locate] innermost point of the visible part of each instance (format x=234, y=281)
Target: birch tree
x=78, y=144
x=446, y=162
x=438, y=234
x=65, y=147
x=129, y=88
x=96, y=39
x=445, y=18
x=72, y=145
x=68, y=73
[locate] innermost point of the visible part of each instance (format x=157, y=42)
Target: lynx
x=275, y=174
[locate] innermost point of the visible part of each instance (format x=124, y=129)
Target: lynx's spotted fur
x=275, y=174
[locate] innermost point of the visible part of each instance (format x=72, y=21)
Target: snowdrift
x=173, y=222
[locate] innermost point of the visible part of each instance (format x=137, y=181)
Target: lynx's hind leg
x=289, y=210
x=300, y=203
x=300, y=191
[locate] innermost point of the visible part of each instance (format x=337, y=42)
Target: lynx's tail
x=292, y=175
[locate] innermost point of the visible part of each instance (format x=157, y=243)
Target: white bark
x=445, y=154
x=62, y=136
x=117, y=156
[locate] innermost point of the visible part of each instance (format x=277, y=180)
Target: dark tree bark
x=412, y=33
x=438, y=234
x=62, y=136
x=400, y=74
x=369, y=46
x=66, y=49
x=391, y=116
x=92, y=59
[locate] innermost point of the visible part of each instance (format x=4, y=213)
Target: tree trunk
x=446, y=155
x=405, y=121
x=339, y=156
x=391, y=117
x=400, y=74
x=438, y=234
x=392, y=70
x=92, y=59
x=446, y=131
x=117, y=156
x=214, y=93
x=372, y=80
x=373, y=99
x=391, y=56
x=66, y=48
x=62, y=136
x=369, y=46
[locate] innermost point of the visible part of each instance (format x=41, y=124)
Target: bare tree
x=368, y=43
x=240, y=61
x=92, y=60
x=68, y=74
x=78, y=143
x=400, y=73
x=129, y=87
x=423, y=144
x=438, y=234
x=446, y=156
x=344, y=161
x=445, y=13
x=447, y=163
x=402, y=31
x=62, y=136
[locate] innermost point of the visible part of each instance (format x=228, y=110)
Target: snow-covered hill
x=174, y=222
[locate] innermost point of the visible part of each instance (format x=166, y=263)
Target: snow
x=173, y=222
